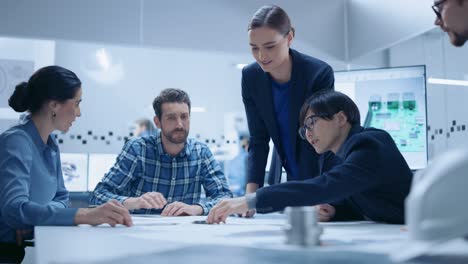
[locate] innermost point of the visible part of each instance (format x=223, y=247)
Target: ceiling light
x=447, y=82
x=240, y=66
x=198, y=109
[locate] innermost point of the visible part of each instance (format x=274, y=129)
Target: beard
x=174, y=138
x=458, y=40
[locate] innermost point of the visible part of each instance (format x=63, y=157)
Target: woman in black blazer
x=273, y=90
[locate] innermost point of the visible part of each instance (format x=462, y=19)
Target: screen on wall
x=99, y=164
x=392, y=99
x=75, y=171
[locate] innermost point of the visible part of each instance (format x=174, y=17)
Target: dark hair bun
x=19, y=99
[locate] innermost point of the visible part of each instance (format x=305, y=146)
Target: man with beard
x=452, y=17
x=164, y=173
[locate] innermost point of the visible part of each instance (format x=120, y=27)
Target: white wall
x=105, y=20
x=42, y=52
x=39, y=52
x=113, y=99
x=375, y=25
x=219, y=25
x=445, y=103
x=342, y=29
x=159, y=44
x=210, y=78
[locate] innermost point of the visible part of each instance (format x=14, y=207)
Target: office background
x=126, y=52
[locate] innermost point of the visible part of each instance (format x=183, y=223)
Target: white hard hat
x=436, y=208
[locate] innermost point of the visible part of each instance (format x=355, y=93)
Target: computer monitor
x=75, y=171
x=99, y=164
x=392, y=99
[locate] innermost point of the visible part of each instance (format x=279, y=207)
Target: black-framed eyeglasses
x=437, y=7
x=309, y=124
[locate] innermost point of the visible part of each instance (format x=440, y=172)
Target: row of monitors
x=82, y=172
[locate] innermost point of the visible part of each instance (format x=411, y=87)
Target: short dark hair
x=273, y=17
x=46, y=84
x=170, y=95
x=326, y=103
x=146, y=123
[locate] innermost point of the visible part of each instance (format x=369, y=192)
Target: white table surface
x=156, y=235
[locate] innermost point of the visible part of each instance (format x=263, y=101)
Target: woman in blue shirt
x=32, y=190
x=273, y=90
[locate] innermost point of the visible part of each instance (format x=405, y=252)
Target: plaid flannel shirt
x=143, y=166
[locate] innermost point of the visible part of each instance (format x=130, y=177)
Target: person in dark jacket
x=273, y=90
x=370, y=181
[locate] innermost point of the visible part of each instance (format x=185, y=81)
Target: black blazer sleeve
x=357, y=173
x=326, y=79
x=344, y=211
x=259, y=137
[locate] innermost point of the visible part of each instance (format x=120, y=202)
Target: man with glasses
x=370, y=182
x=452, y=17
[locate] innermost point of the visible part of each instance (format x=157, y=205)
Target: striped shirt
x=143, y=166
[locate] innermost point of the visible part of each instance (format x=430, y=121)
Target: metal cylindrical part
x=302, y=228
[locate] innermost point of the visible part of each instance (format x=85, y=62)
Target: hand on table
x=325, y=212
x=149, y=200
x=181, y=209
x=248, y=214
x=250, y=188
x=223, y=209
x=112, y=213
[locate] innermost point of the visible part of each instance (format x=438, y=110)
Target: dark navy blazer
x=371, y=181
x=308, y=75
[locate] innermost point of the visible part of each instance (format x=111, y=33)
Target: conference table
x=156, y=239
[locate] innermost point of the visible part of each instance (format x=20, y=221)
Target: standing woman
x=273, y=90
x=32, y=191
